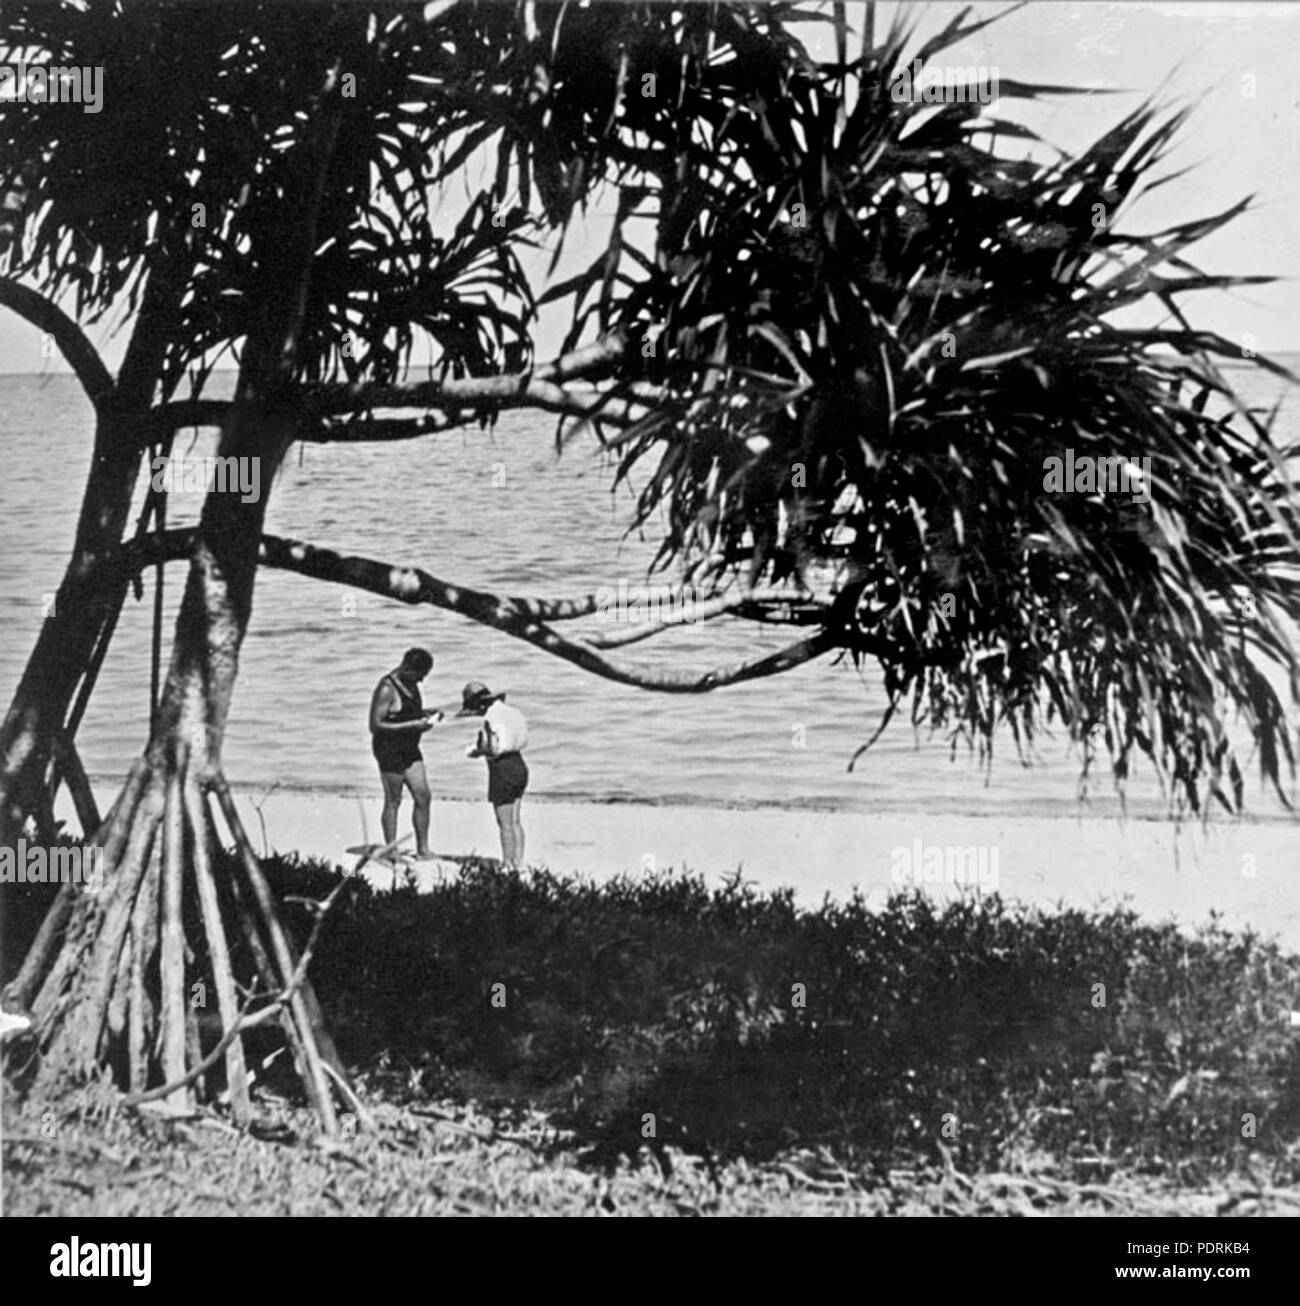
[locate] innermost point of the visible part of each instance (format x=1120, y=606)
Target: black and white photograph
x=650, y=608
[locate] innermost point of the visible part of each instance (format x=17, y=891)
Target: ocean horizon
x=499, y=511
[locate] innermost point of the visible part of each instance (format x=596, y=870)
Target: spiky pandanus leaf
x=192, y=154
x=877, y=327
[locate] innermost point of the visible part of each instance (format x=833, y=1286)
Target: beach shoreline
x=1098, y=808
x=1243, y=871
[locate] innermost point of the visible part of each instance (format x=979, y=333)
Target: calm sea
x=499, y=511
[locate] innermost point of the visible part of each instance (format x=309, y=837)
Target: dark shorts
x=507, y=779
x=395, y=753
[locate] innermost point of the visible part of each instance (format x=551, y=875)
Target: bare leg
x=505, y=825
x=392, y=801
x=519, y=832
x=418, y=783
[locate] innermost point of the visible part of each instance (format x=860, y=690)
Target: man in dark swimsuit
x=397, y=720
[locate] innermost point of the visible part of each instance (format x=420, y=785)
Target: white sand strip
x=1250, y=873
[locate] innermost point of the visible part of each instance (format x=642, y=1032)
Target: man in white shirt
x=501, y=741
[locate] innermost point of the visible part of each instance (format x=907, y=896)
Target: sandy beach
x=1246, y=872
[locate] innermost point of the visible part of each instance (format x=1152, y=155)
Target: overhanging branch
x=362, y=428
x=536, y=387
x=547, y=388
x=376, y=430
x=731, y=602
x=411, y=585
x=74, y=345
x=518, y=619
x=471, y=394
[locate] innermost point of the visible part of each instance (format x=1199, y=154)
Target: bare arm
x=384, y=702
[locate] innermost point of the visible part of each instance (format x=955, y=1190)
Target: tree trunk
x=83, y=614
x=119, y=988
x=123, y=981
x=85, y=610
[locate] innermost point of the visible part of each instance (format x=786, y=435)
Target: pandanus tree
x=881, y=319
x=288, y=261
x=837, y=336
x=97, y=209
x=320, y=273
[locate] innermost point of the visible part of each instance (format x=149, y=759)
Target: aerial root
x=117, y=973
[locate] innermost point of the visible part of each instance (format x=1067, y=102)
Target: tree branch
x=703, y=610
x=241, y=1025
x=513, y=617
x=73, y=343
x=544, y=388
x=180, y=413
x=538, y=387
x=591, y=362
x=364, y=430
x=500, y=393
x=411, y=585
x=170, y=417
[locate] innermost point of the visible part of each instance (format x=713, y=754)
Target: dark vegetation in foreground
x=973, y=1038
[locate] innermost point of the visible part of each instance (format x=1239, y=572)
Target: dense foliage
x=877, y=321
x=661, y=995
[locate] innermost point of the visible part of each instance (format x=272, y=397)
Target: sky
x=1233, y=63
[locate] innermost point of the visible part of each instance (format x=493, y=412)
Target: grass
x=672, y=1047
